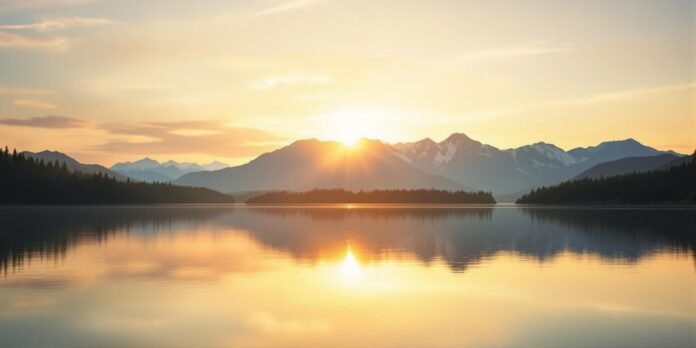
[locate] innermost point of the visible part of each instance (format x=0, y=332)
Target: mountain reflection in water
x=459, y=236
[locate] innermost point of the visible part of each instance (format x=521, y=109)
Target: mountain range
x=486, y=167
x=149, y=170
x=629, y=165
x=310, y=164
x=456, y=163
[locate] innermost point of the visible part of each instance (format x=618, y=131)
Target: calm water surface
x=332, y=276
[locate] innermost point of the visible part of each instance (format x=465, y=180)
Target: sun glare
x=350, y=267
x=350, y=125
x=349, y=139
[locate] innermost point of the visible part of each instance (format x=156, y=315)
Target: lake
x=342, y=275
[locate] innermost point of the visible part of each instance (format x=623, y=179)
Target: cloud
x=289, y=79
x=525, y=49
x=24, y=91
x=8, y=40
x=35, y=103
x=189, y=137
x=10, y=5
x=627, y=94
x=53, y=122
x=286, y=6
x=312, y=97
x=59, y=23
x=623, y=95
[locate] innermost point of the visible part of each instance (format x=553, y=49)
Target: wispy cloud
x=312, y=97
x=190, y=137
x=616, y=96
x=8, y=40
x=59, y=23
x=35, y=103
x=53, y=122
x=285, y=6
x=525, y=49
x=273, y=81
x=627, y=94
x=10, y=5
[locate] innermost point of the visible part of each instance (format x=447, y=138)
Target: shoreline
x=362, y=206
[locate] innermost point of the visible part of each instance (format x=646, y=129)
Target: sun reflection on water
x=350, y=268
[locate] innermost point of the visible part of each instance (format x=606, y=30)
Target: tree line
x=376, y=196
x=27, y=180
x=674, y=185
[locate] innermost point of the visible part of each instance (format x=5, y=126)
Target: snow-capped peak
x=431, y=153
x=553, y=152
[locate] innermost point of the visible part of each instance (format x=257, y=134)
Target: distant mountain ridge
x=150, y=170
x=611, y=150
x=456, y=163
x=627, y=165
x=486, y=167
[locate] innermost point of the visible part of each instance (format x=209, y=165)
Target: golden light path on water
x=350, y=267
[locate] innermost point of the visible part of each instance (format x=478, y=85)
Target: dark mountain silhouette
x=674, y=185
x=73, y=164
x=28, y=180
x=676, y=162
x=612, y=150
x=627, y=165
x=456, y=163
x=309, y=164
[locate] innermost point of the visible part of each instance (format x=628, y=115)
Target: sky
x=108, y=81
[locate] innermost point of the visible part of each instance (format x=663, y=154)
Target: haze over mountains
x=629, y=165
x=456, y=163
x=486, y=167
x=149, y=170
x=309, y=164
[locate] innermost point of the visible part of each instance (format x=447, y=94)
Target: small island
x=424, y=196
x=26, y=180
x=675, y=185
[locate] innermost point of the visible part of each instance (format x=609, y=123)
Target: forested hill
x=376, y=196
x=674, y=185
x=26, y=180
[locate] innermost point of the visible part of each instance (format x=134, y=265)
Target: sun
x=349, y=125
x=349, y=139
x=349, y=129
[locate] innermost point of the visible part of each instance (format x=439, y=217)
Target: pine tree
x=27, y=180
x=673, y=185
